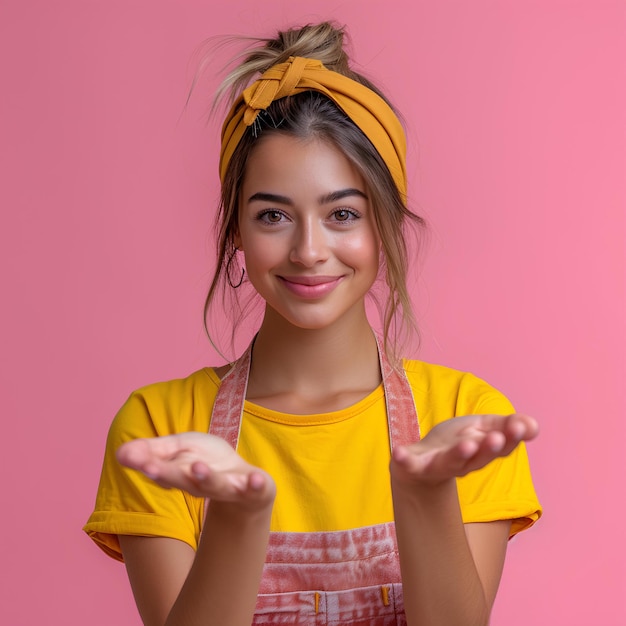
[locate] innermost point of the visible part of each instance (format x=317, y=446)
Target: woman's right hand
x=201, y=464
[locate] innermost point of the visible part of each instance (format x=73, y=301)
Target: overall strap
x=401, y=410
x=231, y=395
x=229, y=402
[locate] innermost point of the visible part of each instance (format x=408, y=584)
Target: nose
x=310, y=243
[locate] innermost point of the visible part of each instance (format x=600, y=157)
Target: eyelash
x=352, y=213
x=262, y=214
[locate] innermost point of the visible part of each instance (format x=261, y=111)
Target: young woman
x=319, y=479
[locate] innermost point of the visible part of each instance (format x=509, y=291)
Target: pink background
x=517, y=121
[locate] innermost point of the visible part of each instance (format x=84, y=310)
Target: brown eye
x=272, y=217
x=342, y=215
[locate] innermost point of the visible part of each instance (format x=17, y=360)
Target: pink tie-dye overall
x=347, y=577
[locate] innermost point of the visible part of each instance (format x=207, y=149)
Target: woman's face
x=307, y=231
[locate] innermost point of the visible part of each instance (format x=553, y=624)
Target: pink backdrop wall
x=517, y=121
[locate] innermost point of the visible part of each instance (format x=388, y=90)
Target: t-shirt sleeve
x=503, y=489
x=129, y=503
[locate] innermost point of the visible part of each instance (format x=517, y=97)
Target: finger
x=200, y=471
x=195, y=478
x=467, y=455
x=453, y=460
x=160, y=461
x=257, y=482
x=139, y=451
x=500, y=443
x=147, y=454
x=226, y=486
x=516, y=428
x=523, y=426
x=239, y=487
x=465, y=449
x=437, y=462
x=491, y=446
x=410, y=461
x=516, y=425
x=134, y=454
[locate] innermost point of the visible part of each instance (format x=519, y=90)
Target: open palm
x=201, y=464
x=461, y=445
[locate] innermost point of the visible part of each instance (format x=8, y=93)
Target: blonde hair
x=313, y=115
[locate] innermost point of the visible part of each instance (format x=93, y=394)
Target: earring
x=230, y=282
x=229, y=263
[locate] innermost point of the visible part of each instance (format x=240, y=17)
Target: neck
x=311, y=362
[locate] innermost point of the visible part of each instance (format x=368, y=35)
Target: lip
x=310, y=286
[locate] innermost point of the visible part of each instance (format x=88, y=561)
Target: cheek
x=258, y=257
x=361, y=248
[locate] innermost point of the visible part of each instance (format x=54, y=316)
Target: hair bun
x=324, y=42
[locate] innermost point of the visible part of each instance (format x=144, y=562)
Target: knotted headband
x=364, y=107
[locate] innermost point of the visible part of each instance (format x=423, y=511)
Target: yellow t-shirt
x=331, y=469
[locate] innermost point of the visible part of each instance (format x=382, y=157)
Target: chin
x=319, y=319
x=310, y=324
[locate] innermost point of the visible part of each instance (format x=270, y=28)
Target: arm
x=218, y=584
x=450, y=571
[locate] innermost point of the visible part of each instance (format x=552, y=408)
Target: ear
x=237, y=240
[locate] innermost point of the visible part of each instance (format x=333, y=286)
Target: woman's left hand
x=460, y=445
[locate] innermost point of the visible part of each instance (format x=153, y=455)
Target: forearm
x=223, y=582
x=440, y=580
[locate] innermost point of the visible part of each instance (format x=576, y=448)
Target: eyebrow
x=333, y=196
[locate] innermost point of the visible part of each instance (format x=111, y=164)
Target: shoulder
x=179, y=389
x=431, y=378
x=129, y=503
x=168, y=407
x=443, y=392
x=424, y=375
x=503, y=489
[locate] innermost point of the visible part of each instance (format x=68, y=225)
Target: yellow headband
x=365, y=108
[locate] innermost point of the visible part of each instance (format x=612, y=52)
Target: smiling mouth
x=310, y=280
x=310, y=286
